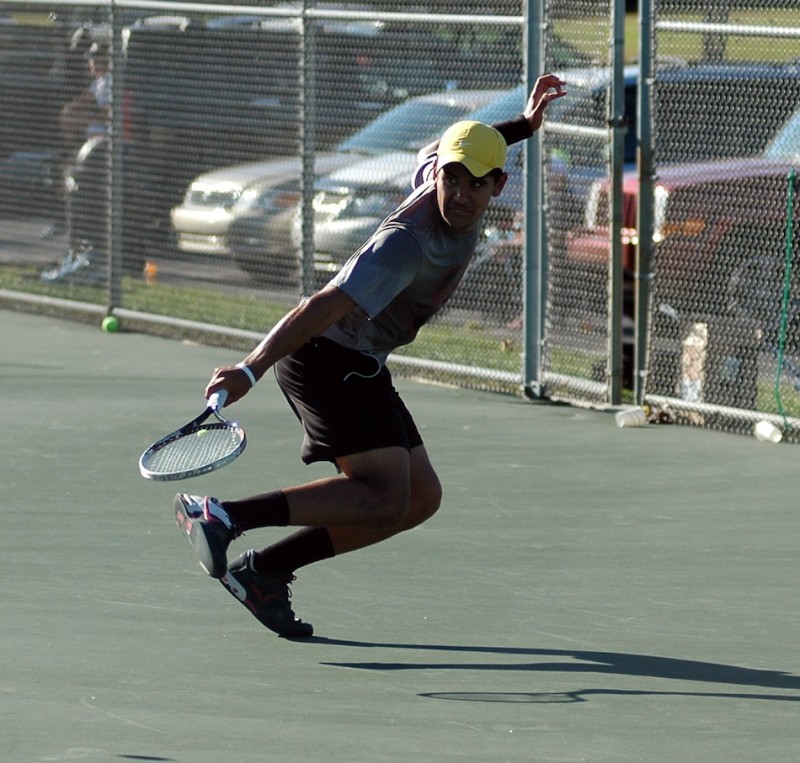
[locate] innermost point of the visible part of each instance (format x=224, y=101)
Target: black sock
x=266, y=510
x=311, y=544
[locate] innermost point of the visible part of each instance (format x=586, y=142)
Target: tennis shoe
x=266, y=596
x=209, y=529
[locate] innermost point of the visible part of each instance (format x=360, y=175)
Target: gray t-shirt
x=403, y=274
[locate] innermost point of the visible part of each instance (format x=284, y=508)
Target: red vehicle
x=718, y=229
x=719, y=263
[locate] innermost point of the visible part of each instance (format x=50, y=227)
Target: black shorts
x=345, y=401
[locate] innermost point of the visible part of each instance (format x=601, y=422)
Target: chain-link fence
x=723, y=342
x=230, y=160
x=577, y=155
x=707, y=320
x=198, y=169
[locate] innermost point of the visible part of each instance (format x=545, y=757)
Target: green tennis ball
x=202, y=432
x=111, y=323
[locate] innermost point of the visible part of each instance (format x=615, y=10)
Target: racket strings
x=206, y=446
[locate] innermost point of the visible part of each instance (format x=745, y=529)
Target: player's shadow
x=575, y=661
x=584, y=695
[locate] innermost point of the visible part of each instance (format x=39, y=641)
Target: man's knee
x=426, y=488
x=385, y=486
x=398, y=506
x=392, y=517
x=382, y=503
x=389, y=510
x=431, y=501
x=401, y=508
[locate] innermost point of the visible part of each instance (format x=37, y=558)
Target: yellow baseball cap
x=479, y=147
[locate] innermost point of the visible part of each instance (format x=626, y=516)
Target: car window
x=511, y=104
x=505, y=107
x=409, y=126
x=786, y=144
x=405, y=128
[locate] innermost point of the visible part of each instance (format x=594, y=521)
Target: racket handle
x=217, y=400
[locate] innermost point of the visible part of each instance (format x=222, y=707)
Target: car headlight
x=248, y=200
x=204, y=197
x=371, y=205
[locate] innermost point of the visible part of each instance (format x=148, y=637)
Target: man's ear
x=500, y=184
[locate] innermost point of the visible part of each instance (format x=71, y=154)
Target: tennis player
x=328, y=356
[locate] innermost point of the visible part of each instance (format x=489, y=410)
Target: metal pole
x=616, y=121
x=644, y=222
x=308, y=146
x=114, y=238
x=535, y=269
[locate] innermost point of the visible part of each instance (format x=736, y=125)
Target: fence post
x=308, y=146
x=534, y=295
x=644, y=221
x=114, y=237
x=616, y=121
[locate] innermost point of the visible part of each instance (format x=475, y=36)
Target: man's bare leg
x=426, y=495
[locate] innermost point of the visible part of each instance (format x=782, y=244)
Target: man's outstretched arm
x=548, y=88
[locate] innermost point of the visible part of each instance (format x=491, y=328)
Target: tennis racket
x=196, y=448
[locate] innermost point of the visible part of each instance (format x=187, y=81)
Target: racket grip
x=217, y=400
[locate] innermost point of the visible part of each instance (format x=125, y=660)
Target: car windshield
x=786, y=144
x=512, y=103
x=507, y=106
x=414, y=123
x=405, y=128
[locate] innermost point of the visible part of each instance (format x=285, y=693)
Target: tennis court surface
x=586, y=593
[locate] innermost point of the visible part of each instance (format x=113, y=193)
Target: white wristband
x=250, y=374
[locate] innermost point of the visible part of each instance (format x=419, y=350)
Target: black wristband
x=514, y=130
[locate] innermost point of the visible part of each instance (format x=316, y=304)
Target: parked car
x=692, y=228
x=200, y=95
x=707, y=218
x=719, y=229
x=215, y=199
x=247, y=210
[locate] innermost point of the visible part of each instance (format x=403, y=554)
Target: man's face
x=463, y=198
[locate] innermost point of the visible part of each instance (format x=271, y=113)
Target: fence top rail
x=284, y=12
x=743, y=30
x=562, y=128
